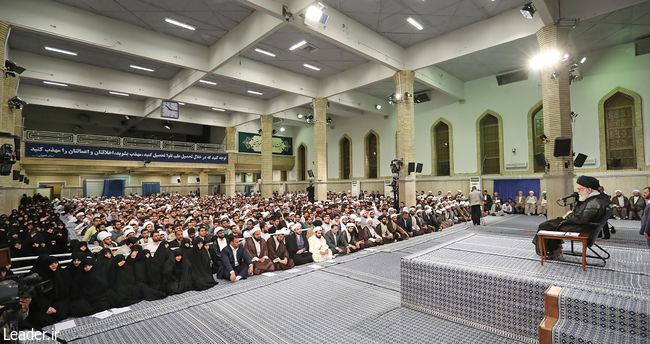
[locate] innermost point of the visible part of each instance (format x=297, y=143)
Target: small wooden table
x=572, y=236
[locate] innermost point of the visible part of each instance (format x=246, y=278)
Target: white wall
x=605, y=70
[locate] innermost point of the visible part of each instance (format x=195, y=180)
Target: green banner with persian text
x=252, y=143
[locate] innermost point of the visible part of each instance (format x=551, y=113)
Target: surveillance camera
x=10, y=66
x=16, y=102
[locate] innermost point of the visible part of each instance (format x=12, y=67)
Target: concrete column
x=11, y=119
x=203, y=186
x=231, y=134
x=266, y=187
x=320, y=148
x=405, y=134
x=557, y=120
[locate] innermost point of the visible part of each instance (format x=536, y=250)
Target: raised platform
x=496, y=283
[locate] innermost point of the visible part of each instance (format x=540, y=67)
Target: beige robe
x=316, y=245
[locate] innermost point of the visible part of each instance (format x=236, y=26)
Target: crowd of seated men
x=128, y=249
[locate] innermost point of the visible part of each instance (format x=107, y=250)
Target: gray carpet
x=627, y=232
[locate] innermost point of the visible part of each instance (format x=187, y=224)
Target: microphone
x=573, y=195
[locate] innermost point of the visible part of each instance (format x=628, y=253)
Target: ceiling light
x=218, y=109
x=141, y=68
x=208, y=82
x=56, y=50
x=310, y=66
x=414, y=23
x=546, y=59
x=583, y=59
x=167, y=125
x=255, y=92
x=118, y=93
x=55, y=83
x=315, y=13
x=127, y=117
x=397, y=96
x=181, y=103
x=528, y=10
x=177, y=23
x=300, y=116
x=298, y=45
x=378, y=106
x=262, y=51
x=282, y=129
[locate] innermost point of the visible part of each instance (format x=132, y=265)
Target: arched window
x=538, y=130
x=490, y=160
x=620, y=132
x=345, y=158
x=441, y=146
x=372, y=155
x=302, y=165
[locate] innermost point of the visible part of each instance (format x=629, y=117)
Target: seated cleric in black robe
x=590, y=208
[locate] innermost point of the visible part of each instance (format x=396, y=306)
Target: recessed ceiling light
x=207, y=82
x=61, y=51
x=118, y=93
x=310, y=66
x=282, y=129
x=141, y=68
x=181, y=103
x=177, y=23
x=218, y=109
x=262, y=51
x=255, y=92
x=414, y=23
x=300, y=115
x=378, y=106
x=298, y=45
x=55, y=83
x=583, y=59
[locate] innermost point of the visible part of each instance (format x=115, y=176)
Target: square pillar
x=406, y=134
x=266, y=187
x=231, y=134
x=320, y=148
x=556, y=102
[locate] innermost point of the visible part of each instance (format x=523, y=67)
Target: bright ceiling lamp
x=255, y=92
x=298, y=45
x=307, y=65
x=177, y=23
x=60, y=51
x=415, y=23
x=315, y=14
x=546, y=59
x=267, y=53
x=207, y=82
x=118, y=93
x=55, y=83
x=218, y=109
x=142, y=68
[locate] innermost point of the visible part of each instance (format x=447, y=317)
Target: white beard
x=582, y=196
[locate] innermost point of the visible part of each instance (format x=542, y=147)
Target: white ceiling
x=388, y=17
x=212, y=18
x=338, y=57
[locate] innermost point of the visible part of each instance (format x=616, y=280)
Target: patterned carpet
x=627, y=232
x=497, y=283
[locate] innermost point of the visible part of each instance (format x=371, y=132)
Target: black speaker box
x=418, y=168
x=562, y=147
x=411, y=167
x=580, y=160
x=540, y=159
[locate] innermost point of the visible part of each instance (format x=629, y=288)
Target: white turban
x=103, y=235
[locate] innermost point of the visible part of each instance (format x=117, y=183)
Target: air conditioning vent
x=642, y=46
x=508, y=78
x=309, y=48
x=421, y=97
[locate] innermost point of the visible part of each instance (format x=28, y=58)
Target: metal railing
x=114, y=141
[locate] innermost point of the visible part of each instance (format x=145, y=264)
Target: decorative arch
x=479, y=141
x=301, y=164
x=371, y=162
x=533, y=136
x=345, y=172
x=434, y=151
x=638, y=127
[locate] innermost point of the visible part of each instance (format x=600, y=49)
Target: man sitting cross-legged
x=336, y=241
x=259, y=252
x=278, y=250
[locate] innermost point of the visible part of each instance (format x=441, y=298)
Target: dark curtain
x=113, y=187
x=150, y=188
x=509, y=188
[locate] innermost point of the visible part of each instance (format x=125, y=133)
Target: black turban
x=589, y=182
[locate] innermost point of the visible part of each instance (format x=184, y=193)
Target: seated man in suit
x=520, y=200
x=637, y=205
x=336, y=241
x=590, y=208
x=531, y=203
x=235, y=262
x=278, y=250
x=320, y=252
x=298, y=245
